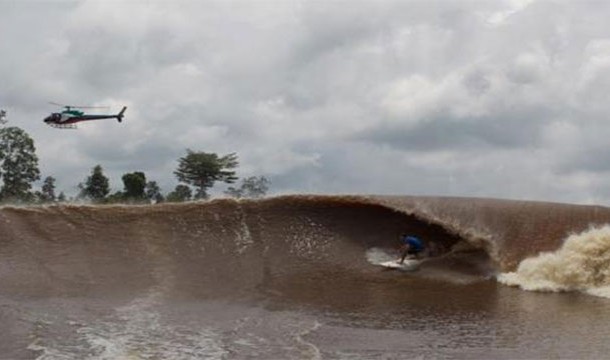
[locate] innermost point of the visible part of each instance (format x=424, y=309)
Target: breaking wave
x=581, y=264
x=227, y=247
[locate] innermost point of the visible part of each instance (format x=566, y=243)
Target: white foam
x=47, y=352
x=138, y=332
x=243, y=238
x=377, y=256
x=581, y=264
x=313, y=351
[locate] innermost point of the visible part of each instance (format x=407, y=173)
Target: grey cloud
x=476, y=82
x=517, y=129
x=104, y=60
x=594, y=159
x=196, y=74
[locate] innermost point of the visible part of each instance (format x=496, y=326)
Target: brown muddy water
x=297, y=277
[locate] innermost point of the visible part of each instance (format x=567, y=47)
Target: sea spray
x=581, y=264
x=376, y=256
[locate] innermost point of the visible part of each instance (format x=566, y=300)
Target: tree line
x=197, y=173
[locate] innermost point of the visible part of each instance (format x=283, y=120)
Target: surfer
x=410, y=245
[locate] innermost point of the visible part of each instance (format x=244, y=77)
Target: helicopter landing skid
x=64, y=126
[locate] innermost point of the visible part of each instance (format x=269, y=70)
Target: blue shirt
x=413, y=242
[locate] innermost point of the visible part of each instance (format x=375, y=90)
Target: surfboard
x=407, y=265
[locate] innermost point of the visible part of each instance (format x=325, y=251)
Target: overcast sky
x=502, y=99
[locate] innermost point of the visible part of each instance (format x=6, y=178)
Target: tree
x=252, y=187
x=61, y=197
x=134, y=184
x=180, y=194
x=117, y=198
x=153, y=192
x=47, y=193
x=202, y=170
x=96, y=185
x=18, y=164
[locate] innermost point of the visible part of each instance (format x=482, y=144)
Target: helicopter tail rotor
x=119, y=117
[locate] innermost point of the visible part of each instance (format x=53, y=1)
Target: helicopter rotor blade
x=78, y=107
x=89, y=107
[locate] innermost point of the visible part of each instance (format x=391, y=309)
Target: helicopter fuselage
x=69, y=117
x=63, y=118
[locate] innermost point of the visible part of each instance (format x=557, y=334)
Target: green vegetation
x=181, y=193
x=252, y=187
x=47, y=193
x=134, y=184
x=197, y=172
x=153, y=192
x=202, y=170
x=96, y=186
x=18, y=165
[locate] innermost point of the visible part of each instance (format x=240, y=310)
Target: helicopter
x=71, y=115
